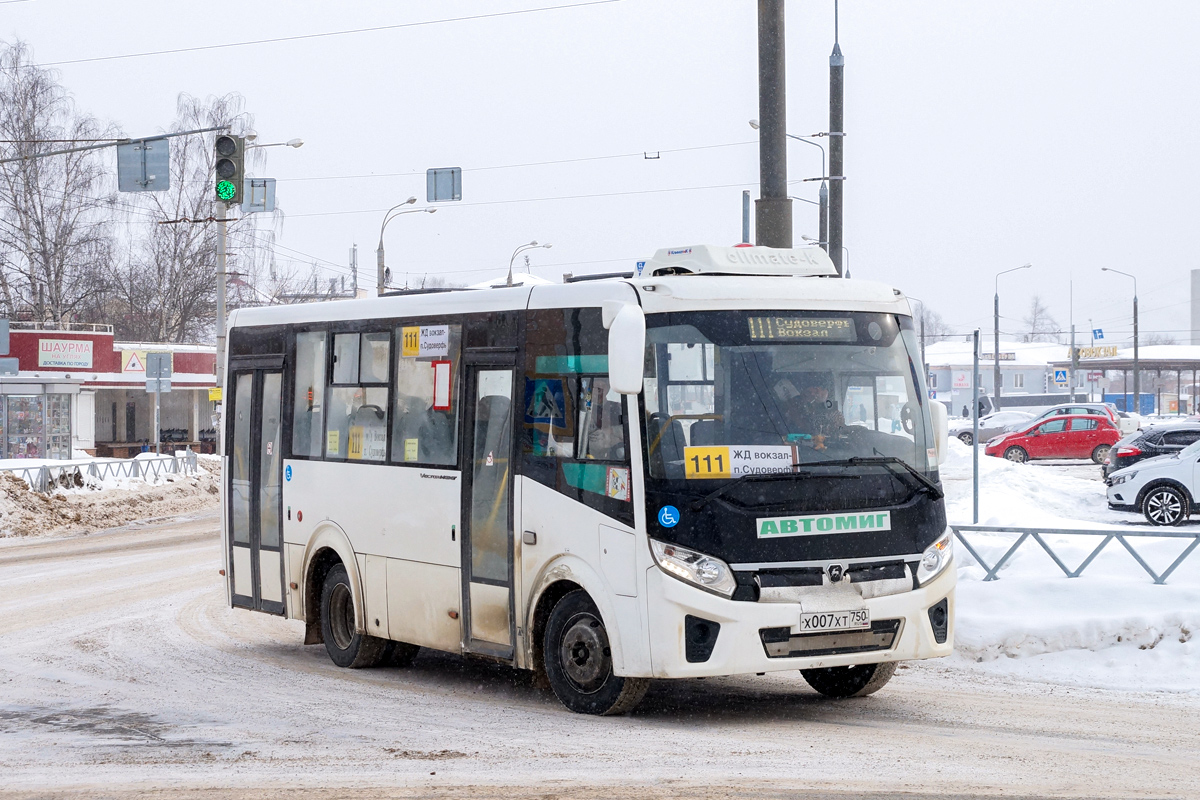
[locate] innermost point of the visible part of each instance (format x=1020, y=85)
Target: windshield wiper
x=891, y=462
x=760, y=476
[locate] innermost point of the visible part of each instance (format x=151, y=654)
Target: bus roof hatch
x=706, y=259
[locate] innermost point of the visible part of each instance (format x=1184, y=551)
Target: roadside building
x=78, y=389
x=1025, y=369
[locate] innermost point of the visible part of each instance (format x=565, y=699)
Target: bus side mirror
x=626, y=346
x=941, y=429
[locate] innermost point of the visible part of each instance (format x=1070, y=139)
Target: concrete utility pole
x=222, y=212
x=773, y=209
x=836, y=135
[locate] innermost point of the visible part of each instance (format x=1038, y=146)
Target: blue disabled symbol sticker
x=668, y=516
x=287, y=472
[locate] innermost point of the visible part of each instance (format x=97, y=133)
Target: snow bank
x=1112, y=627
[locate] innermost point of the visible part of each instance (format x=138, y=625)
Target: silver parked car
x=993, y=424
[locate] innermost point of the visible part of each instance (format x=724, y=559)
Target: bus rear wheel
x=346, y=648
x=578, y=660
x=857, y=680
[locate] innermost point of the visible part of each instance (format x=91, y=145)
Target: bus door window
x=308, y=402
x=356, y=421
x=425, y=415
x=491, y=474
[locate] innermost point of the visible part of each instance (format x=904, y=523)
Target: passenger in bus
x=606, y=439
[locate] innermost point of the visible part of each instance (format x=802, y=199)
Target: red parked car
x=1071, y=436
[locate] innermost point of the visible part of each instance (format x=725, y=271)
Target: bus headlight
x=935, y=558
x=695, y=568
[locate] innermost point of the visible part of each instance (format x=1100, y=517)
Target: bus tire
x=345, y=647
x=857, y=680
x=578, y=660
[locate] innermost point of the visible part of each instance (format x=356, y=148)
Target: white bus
x=725, y=464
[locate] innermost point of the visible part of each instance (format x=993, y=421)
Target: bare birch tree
x=56, y=211
x=1040, y=326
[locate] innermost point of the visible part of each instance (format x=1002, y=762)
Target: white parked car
x=993, y=424
x=1162, y=488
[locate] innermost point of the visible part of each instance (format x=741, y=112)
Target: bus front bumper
x=765, y=637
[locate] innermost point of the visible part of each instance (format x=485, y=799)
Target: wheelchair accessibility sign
x=668, y=516
x=1060, y=377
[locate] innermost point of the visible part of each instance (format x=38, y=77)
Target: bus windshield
x=736, y=393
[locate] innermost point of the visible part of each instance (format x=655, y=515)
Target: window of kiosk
x=58, y=426
x=25, y=426
x=356, y=426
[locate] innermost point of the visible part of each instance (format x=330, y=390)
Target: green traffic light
x=226, y=190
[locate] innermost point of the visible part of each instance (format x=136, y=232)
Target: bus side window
x=425, y=415
x=356, y=417
x=308, y=401
x=575, y=433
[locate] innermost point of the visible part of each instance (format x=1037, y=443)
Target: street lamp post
x=996, y=340
x=824, y=193
x=1137, y=401
x=380, y=270
x=530, y=246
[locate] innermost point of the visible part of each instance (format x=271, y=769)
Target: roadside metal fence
x=46, y=478
x=1038, y=535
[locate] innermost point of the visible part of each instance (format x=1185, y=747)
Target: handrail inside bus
x=667, y=422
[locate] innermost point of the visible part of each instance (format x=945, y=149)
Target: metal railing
x=45, y=478
x=1109, y=534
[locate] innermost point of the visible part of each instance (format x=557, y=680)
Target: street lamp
x=391, y=214
x=996, y=345
x=288, y=143
x=1137, y=402
x=823, y=222
x=531, y=246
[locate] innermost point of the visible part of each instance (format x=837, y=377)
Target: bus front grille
x=782, y=643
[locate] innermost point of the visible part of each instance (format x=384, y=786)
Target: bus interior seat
x=671, y=442
x=705, y=432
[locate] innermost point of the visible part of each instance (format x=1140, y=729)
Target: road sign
x=258, y=194
x=1097, y=333
x=9, y=366
x=144, y=166
x=443, y=184
x=1060, y=377
x=162, y=385
x=158, y=365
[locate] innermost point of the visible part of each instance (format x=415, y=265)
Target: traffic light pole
x=222, y=211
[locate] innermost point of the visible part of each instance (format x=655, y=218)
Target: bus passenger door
x=488, y=510
x=254, y=490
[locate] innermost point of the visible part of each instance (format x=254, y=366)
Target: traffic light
x=230, y=168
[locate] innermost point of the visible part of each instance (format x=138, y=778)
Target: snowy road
x=123, y=674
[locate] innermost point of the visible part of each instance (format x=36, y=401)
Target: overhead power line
x=324, y=34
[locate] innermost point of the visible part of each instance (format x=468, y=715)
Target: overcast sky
x=981, y=135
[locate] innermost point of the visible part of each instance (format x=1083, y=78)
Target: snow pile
x=1113, y=627
x=82, y=503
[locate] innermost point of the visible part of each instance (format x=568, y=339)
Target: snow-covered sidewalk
x=1112, y=627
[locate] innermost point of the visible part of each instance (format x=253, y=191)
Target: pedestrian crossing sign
x=1060, y=377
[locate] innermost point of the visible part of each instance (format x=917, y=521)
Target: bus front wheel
x=346, y=647
x=578, y=660
x=857, y=680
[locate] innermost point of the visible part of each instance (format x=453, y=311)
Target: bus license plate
x=819, y=621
